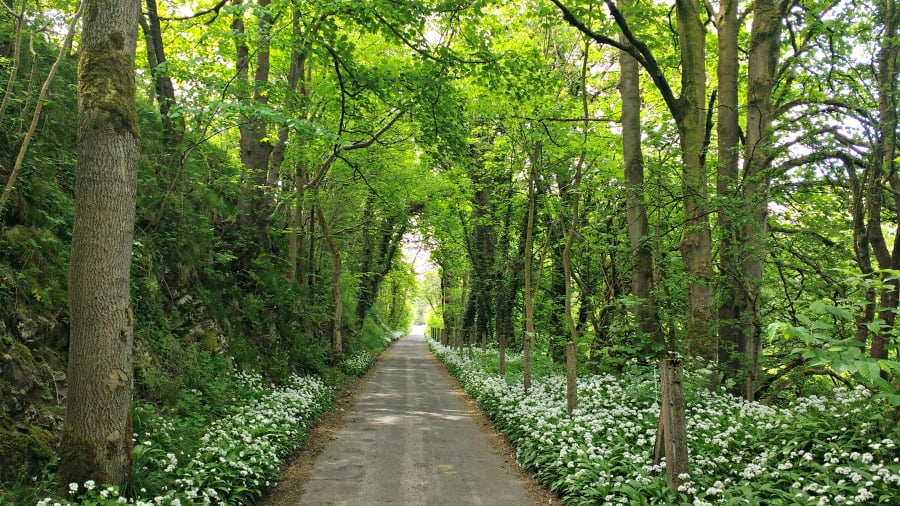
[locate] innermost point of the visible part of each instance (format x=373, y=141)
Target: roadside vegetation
x=201, y=452
x=835, y=448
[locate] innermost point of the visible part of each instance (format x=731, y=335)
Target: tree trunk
x=379, y=263
x=296, y=243
x=731, y=343
x=446, y=302
x=555, y=324
x=16, y=60
x=482, y=253
x=861, y=252
x=696, y=243
x=636, y=210
x=884, y=163
x=765, y=41
x=528, y=340
x=96, y=440
x=572, y=341
x=255, y=148
x=506, y=305
x=337, y=349
x=173, y=130
x=296, y=72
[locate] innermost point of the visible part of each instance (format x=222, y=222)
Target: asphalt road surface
x=409, y=440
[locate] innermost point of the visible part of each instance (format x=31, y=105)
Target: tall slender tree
x=765, y=42
x=635, y=205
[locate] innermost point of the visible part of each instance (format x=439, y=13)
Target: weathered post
x=671, y=434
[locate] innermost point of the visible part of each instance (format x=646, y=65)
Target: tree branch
x=338, y=149
x=568, y=120
x=787, y=230
x=10, y=10
x=707, y=136
x=212, y=10
x=637, y=49
x=427, y=54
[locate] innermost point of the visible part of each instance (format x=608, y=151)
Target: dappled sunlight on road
x=411, y=440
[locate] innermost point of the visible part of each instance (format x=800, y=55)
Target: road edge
x=298, y=467
x=535, y=490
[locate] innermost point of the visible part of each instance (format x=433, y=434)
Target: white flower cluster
x=358, y=363
x=739, y=451
x=239, y=454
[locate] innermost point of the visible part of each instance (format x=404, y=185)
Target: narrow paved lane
x=410, y=441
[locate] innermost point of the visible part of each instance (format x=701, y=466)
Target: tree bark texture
x=96, y=441
x=673, y=422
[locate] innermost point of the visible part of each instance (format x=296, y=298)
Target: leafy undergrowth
x=818, y=450
x=357, y=364
x=233, y=457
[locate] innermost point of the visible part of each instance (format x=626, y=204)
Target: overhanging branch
x=637, y=49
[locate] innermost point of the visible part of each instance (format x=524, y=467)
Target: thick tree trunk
x=861, y=252
x=96, y=440
x=884, y=163
x=255, y=148
x=482, y=253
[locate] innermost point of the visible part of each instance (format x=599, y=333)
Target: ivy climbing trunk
x=96, y=439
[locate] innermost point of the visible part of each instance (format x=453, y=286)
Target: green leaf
x=869, y=370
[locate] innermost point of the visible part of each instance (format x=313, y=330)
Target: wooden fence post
x=671, y=434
